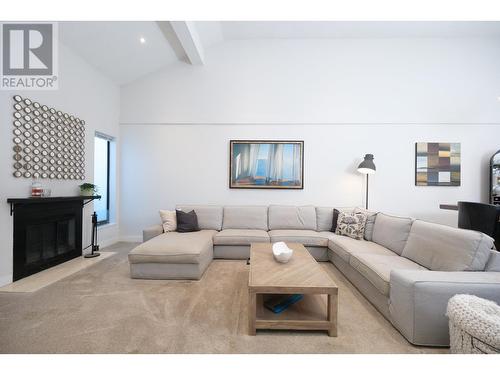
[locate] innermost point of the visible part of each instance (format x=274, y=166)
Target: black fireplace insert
x=47, y=232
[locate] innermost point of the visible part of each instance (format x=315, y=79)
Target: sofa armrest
x=418, y=300
x=151, y=232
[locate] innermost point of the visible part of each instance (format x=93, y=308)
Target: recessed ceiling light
x=142, y=40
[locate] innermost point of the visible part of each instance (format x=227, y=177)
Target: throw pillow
x=335, y=220
x=168, y=220
x=186, y=221
x=351, y=225
x=370, y=222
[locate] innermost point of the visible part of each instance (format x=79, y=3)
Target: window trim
x=108, y=140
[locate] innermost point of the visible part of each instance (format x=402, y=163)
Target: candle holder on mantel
x=94, y=246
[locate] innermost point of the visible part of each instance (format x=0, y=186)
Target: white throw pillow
x=351, y=224
x=168, y=220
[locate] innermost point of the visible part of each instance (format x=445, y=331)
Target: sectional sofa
x=408, y=269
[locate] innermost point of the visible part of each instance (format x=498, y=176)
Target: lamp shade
x=367, y=166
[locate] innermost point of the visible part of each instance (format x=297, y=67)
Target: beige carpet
x=47, y=277
x=101, y=310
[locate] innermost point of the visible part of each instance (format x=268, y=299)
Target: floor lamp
x=367, y=167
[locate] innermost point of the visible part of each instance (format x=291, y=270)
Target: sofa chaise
x=408, y=269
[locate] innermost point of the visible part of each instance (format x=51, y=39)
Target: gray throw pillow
x=186, y=221
x=335, y=220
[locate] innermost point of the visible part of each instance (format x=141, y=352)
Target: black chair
x=481, y=217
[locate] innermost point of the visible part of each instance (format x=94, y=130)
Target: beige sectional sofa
x=408, y=269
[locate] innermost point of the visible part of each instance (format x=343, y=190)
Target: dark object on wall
x=266, y=164
x=367, y=167
x=481, y=217
x=47, y=232
x=47, y=142
x=437, y=164
x=94, y=246
x=335, y=219
x=186, y=221
x=495, y=179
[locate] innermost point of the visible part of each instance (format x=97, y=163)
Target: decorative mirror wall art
x=47, y=143
x=437, y=164
x=266, y=164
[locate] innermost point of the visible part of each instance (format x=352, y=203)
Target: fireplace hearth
x=47, y=232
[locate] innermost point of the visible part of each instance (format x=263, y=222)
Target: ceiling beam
x=190, y=41
x=184, y=39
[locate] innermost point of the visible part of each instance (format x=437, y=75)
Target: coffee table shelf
x=310, y=313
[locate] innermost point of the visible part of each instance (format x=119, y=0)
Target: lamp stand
x=366, y=200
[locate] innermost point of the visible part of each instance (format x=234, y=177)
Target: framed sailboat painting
x=266, y=164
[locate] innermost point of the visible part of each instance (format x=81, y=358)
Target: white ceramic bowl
x=281, y=252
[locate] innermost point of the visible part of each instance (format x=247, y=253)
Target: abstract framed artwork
x=266, y=164
x=437, y=164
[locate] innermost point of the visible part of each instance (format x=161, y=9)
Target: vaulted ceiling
x=125, y=51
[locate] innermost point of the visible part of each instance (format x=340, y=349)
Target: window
x=102, y=146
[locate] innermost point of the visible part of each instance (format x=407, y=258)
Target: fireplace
x=47, y=232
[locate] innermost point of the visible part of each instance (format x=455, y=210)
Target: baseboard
x=130, y=238
x=4, y=280
x=108, y=242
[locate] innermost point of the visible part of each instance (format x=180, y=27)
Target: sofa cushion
x=391, y=231
x=443, y=248
x=324, y=216
x=292, y=217
x=209, y=217
x=305, y=237
x=240, y=236
x=231, y=251
x=493, y=264
x=245, y=217
x=344, y=247
x=174, y=247
x=370, y=222
x=377, y=268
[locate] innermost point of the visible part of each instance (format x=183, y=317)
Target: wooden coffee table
x=301, y=275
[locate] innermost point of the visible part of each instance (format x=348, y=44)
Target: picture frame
x=266, y=164
x=437, y=164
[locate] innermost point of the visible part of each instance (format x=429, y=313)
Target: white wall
x=82, y=92
x=391, y=80
x=167, y=165
x=343, y=97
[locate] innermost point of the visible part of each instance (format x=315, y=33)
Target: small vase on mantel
x=36, y=189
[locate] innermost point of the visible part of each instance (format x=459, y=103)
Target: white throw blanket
x=474, y=325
